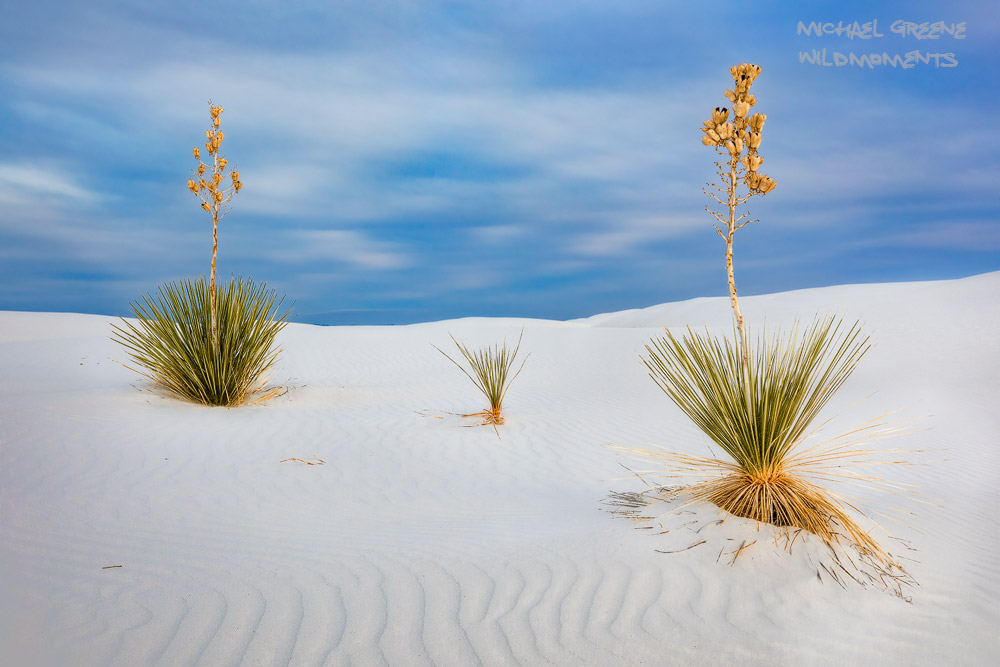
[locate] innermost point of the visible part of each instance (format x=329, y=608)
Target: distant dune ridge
x=140, y=530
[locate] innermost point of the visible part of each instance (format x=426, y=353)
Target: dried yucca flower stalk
x=214, y=196
x=739, y=141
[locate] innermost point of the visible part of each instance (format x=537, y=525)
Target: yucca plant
x=491, y=373
x=763, y=425
x=760, y=405
x=196, y=341
x=172, y=341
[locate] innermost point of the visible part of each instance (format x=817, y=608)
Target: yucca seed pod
x=730, y=95
x=720, y=115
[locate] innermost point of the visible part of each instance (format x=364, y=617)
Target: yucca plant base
x=788, y=501
x=171, y=341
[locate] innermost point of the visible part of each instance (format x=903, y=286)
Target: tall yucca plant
x=173, y=346
x=198, y=342
x=491, y=373
x=759, y=405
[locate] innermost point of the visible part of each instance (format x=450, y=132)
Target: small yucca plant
x=491, y=373
x=173, y=345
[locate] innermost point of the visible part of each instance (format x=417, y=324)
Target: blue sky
x=411, y=161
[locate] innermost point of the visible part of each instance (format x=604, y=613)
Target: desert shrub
x=491, y=373
x=172, y=344
x=763, y=423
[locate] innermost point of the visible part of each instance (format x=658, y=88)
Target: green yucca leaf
x=757, y=420
x=171, y=340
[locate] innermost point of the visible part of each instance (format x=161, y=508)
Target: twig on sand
x=696, y=544
x=315, y=462
x=740, y=550
x=711, y=523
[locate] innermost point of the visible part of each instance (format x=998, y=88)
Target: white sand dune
x=422, y=542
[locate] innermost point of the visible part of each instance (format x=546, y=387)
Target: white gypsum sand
x=140, y=530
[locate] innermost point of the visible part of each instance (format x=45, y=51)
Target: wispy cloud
x=342, y=247
x=24, y=184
